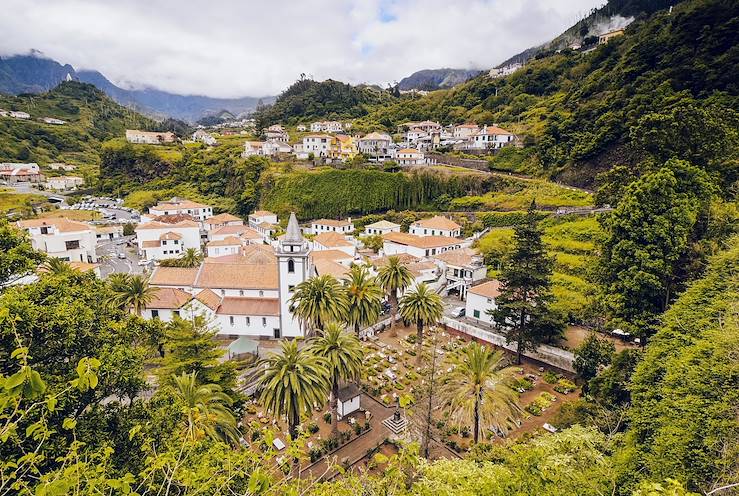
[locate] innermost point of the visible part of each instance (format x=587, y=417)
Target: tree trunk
x=292, y=426
x=519, y=340
x=476, y=426
x=356, y=328
x=334, y=405
x=419, y=341
x=393, y=297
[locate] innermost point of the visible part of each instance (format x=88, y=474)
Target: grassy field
x=80, y=215
x=519, y=193
x=571, y=242
x=19, y=204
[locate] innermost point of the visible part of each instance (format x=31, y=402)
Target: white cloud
x=232, y=48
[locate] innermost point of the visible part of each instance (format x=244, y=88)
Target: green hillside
x=91, y=118
x=307, y=100
x=667, y=88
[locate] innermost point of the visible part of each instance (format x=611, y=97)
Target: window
x=44, y=230
x=223, y=292
x=476, y=314
x=176, y=313
x=241, y=292
x=72, y=245
x=291, y=266
x=261, y=293
x=231, y=320
x=291, y=288
x=248, y=321
x=155, y=314
x=264, y=321
x=425, y=231
x=276, y=333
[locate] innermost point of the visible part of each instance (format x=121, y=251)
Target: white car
x=458, y=312
x=121, y=255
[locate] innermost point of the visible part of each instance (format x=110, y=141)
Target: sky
x=232, y=48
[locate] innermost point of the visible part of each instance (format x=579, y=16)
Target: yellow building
x=343, y=148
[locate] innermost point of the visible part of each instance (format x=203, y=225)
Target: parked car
x=458, y=312
x=121, y=255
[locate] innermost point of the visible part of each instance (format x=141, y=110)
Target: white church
x=244, y=295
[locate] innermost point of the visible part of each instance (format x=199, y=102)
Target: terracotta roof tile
x=208, y=298
x=237, y=305
x=329, y=267
x=60, y=223
x=237, y=276
x=459, y=257
x=169, y=298
x=331, y=239
x=490, y=289
x=437, y=222
x=173, y=276
x=420, y=241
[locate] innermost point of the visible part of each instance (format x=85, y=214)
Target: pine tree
x=525, y=294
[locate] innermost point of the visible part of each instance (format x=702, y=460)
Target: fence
x=556, y=357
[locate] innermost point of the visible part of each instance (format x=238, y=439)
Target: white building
x=461, y=269
x=381, y=227
x=276, y=133
x=62, y=238
x=435, y=226
x=330, y=225
x=221, y=220
x=64, y=167
x=19, y=115
x=107, y=233
x=410, y=156
x=63, y=183
x=51, y=120
x=326, y=127
x=318, y=144
x=149, y=137
x=377, y=146
x=396, y=243
x=464, y=131
x=160, y=240
x=333, y=241
x=204, y=137
x=180, y=206
x=481, y=299
x=491, y=137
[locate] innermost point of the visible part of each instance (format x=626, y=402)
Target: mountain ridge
x=34, y=73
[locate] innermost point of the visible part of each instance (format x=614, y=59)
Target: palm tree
x=477, y=391
x=190, y=258
x=207, y=408
x=423, y=306
x=319, y=300
x=132, y=293
x=56, y=266
x=364, y=298
x=394, y=277
x=293, y=383
x=343, y=355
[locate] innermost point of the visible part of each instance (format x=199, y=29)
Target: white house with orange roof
x=461, y=268
x=221, y=220
x=160, y=240
x=333, y=241
x=181, y=206
x=396, y=243
x=265, y=223
x=491, y=137
x=481, y=299
x=464, y=131
x=381, y=227
x=377, y=146
x=149, y=137
x=435, y=226
x=62, y=238
x=410, y=156
x=319, y=226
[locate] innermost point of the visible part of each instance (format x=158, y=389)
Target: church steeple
x=292, y=241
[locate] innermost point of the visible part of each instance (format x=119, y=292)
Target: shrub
x=550, y=377
x=565, y=386
x=313, y=427
x=327, y=417
x=534, y=409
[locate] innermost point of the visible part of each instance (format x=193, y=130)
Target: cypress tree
x=522, y=311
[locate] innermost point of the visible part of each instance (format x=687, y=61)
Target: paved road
x=107, y=252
